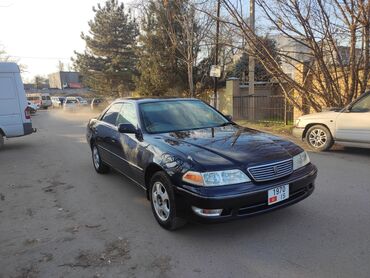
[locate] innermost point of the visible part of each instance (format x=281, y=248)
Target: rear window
x=33, y=98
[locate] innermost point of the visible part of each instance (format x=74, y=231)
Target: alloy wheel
x=96, y=157
x=161, y=201
x=317, y=138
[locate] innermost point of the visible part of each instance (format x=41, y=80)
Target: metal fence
x=274, y=109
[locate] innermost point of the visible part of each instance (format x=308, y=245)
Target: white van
x=43, y=100
x=15, y=116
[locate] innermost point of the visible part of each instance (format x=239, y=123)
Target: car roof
x=152, y=99
x=9, y=67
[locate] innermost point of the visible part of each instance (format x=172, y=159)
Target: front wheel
x=99, y=165
x=319, y=138
x=163, y=202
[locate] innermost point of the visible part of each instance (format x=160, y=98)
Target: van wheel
x=1, y=140
x=319, y=138
x=163, y=202
x=99, y=165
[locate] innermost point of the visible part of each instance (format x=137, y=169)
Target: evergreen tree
x=161, y=72
x=108, y=62
x=240, y=68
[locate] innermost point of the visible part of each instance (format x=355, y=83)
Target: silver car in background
x=70, y=104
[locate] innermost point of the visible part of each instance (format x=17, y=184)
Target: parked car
x=70, y=104
x=82, y=101
x=98, y=104
x=194, y=163
x=349, y=126
x=43, y=100
x=15, y=118
x=33, y=107
x=57, y=102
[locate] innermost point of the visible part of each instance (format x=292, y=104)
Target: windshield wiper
x=227, y=123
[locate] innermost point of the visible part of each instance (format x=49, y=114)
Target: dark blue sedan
x=195, y=163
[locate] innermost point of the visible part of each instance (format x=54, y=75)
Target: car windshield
x=177, y=115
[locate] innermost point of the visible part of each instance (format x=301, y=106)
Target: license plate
x=278, y=194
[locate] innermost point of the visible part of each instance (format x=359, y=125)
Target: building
x=292, y=48
x=65, y=79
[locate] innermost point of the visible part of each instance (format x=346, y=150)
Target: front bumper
x=236, y=204
x=298, y=132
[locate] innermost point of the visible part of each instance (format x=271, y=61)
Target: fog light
x=207, y=212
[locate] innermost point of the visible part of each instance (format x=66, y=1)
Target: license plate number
x=278, y=194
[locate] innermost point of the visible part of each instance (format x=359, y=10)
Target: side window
x=127, y=115
x=362, y=105
x=111, y=115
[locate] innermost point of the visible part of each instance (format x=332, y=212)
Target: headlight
x=216, y=178
x=300, y=160
x=297, y=122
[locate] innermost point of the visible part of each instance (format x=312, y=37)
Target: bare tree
x=187, y=29
x=4, y=57
x=332, y=57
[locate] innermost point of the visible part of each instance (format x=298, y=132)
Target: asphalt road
x=59, y=218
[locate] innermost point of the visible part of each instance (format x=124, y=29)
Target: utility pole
x=251, y=57
x=216, y=52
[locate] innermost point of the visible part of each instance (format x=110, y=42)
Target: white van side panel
x=22, y=98
x=11, y=113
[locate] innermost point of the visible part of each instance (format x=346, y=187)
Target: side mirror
x=229, y=118
x=127, y=128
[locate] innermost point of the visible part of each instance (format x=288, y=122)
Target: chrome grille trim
x=266, y=172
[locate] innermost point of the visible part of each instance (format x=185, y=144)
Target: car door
x=354, y=124
x=130, y=148
x=107, y=135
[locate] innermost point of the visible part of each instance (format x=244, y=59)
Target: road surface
x=59, y=218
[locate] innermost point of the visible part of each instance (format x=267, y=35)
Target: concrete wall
x=225, y=100
x=58, y=79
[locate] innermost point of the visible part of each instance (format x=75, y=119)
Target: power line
x=39, y=58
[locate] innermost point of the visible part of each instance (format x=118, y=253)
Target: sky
x=39, y=33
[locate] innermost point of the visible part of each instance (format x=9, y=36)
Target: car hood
x=321, y=115
x=229, y=146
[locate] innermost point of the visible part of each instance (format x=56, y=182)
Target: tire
x=162, y=201
x=1, y=140
x=98, y=164
x=319, y=138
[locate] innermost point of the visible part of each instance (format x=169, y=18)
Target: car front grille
x=271, y=171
